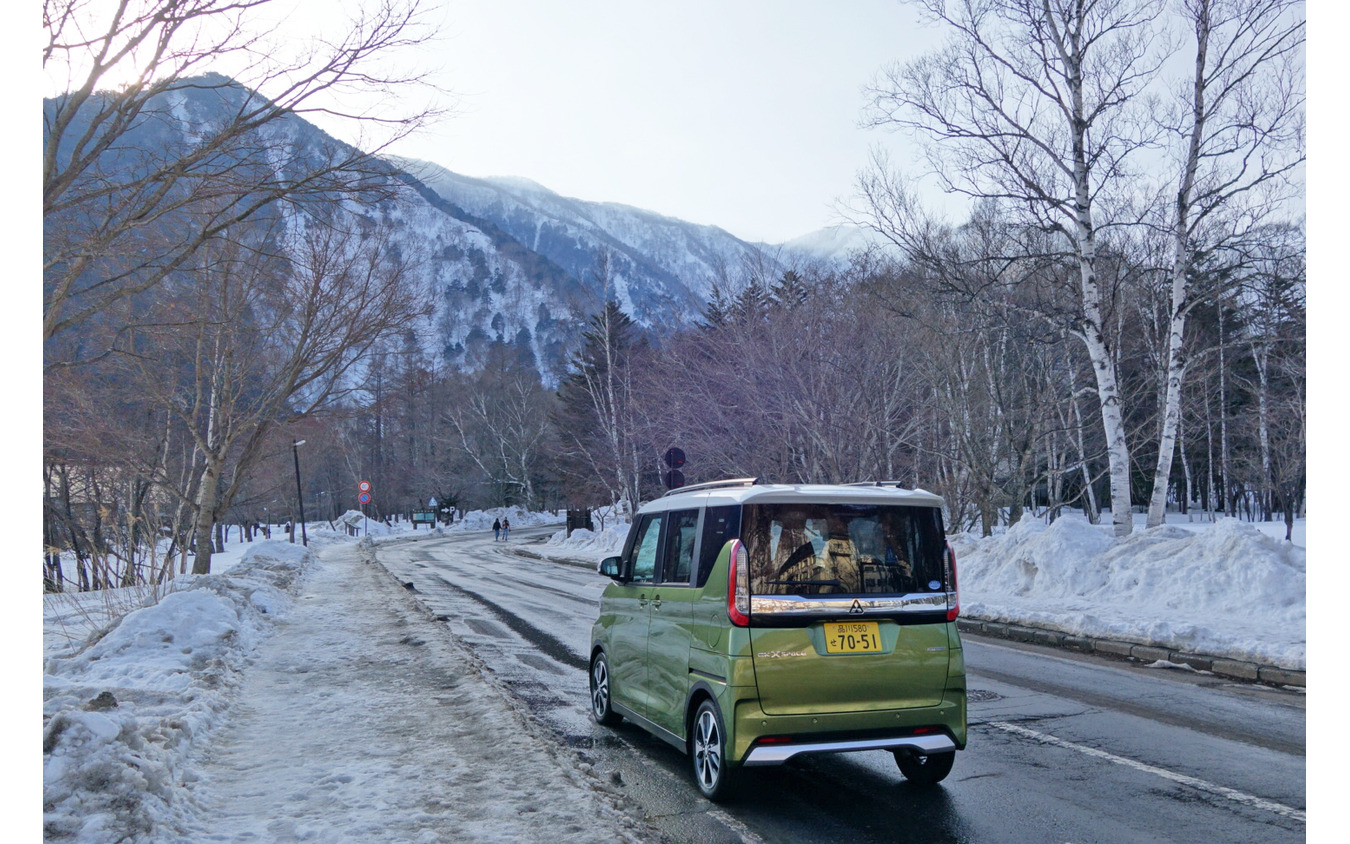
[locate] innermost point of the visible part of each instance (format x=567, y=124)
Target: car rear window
x=850, y=549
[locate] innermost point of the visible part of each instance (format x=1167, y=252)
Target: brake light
x=738, y=585
x=953, y=594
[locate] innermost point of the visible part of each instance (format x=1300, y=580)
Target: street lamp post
x=300, y=496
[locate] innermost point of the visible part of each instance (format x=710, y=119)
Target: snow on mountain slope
x=834, y=245
x=662, y=268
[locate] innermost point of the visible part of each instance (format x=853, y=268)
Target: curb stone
x=1223, y=667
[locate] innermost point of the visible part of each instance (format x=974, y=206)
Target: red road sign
x=364, y=486
x=364, y=498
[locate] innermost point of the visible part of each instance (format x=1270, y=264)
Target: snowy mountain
x=506, y=262
x=833, y=246
x=661, y=268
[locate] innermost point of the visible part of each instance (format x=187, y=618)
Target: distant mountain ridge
x=506, y=261
x=661, y=268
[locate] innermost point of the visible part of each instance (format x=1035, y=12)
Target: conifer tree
x=595, y=421
x=791, y=291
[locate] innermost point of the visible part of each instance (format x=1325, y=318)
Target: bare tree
x=1272, y=299
x=251, y=338
x=147, y=157
x=801, y=382
x=1038, y=102
x=500, y=419
x=1242, y=128
x=993, y=366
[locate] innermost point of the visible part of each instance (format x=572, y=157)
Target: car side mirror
x=610, y=567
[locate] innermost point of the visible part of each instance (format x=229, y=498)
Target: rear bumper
x=924, y=729
x=777, y=754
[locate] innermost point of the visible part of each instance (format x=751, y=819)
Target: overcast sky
x=738, y=113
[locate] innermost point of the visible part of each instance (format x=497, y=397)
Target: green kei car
x=749, y=623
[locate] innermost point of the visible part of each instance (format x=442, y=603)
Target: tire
x=708, y=751
x=601, y=709
x=925, y=770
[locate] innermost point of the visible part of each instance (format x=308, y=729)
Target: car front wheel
x=925, y=770
x=601, y=709
x=708, y=750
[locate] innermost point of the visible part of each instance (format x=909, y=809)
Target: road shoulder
x=363, y=720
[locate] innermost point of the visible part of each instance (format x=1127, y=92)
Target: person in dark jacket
x=496, y=529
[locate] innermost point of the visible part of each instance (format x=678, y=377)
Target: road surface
x=1062, y=747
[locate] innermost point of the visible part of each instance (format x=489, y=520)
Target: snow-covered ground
x=159, y=757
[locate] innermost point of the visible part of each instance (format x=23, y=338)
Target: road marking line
x=1222, y=791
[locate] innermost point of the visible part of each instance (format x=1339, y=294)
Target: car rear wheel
x=708, y=750
x=601, y=710
x=925, y=770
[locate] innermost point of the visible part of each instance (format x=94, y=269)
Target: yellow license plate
x=852, y=637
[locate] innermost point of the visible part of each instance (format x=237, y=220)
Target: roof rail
x=713, y=485
x=896, y=484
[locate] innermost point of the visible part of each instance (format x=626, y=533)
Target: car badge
x=856, y=609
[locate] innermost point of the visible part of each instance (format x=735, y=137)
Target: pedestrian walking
x=496, y=529
x=506, y=528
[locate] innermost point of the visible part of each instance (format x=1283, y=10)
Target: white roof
x=722, y=494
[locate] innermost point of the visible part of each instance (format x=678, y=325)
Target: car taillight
x=738, y=585
x=953, y=594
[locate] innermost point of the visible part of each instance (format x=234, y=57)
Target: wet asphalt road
x=1063, y=748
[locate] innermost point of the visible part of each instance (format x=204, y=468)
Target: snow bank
x=1228, y=590
x=519, y=516
x=122, y=714
x=588, y=545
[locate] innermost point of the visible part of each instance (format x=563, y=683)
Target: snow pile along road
x=588, y=545
x=519, y=516
x=1225, y=590
x=122, y=715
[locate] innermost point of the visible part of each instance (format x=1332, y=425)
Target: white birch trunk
x=1211, y=499
x=1181, y=289
x=206, y=506
x=1090, y=505
x=1261, y=355
x=1189, y=498
x=1103, y=365
x=1176, y=371
x=1113, y=426
x=1229, y=504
